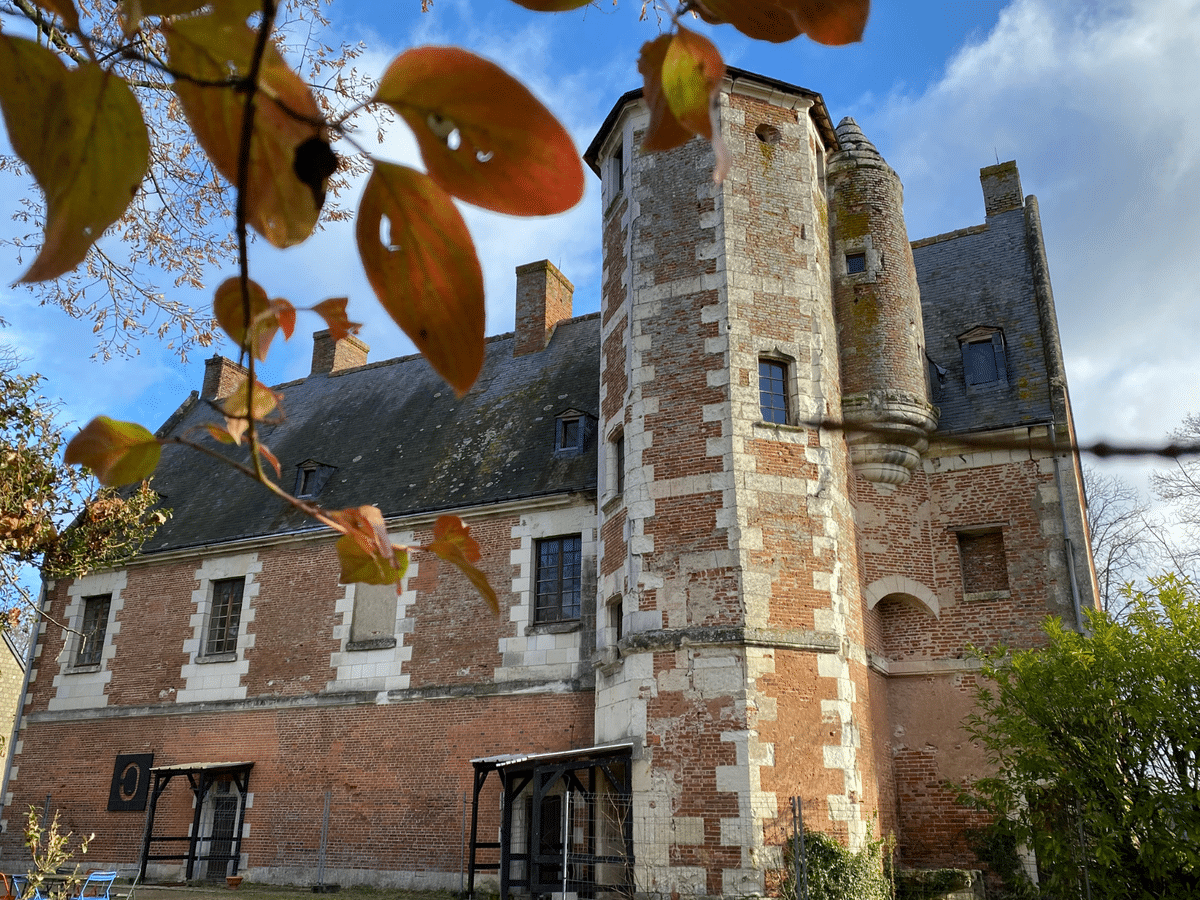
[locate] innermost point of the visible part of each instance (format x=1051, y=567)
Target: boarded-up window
x=984, y=568
x=983, y=357
x=374, y=621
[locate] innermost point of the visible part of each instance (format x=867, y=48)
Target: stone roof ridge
x=852, y=140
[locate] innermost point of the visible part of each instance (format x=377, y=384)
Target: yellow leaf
x=825, y=21
x=483, y=136
x=452, y=542
x=243, y=405
x=359, y=566
x=221, y=434
x=134, y=10
x=664, y=130
x=365, y=551
x=426, y=275
x=281, y=206
x=333, y=311
x=691, y=77
x=81, y=133
x=117, y=452
x=266, y=316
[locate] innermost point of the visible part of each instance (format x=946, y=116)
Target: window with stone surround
x=559, y=563
x=983, y=354
x=93, y=629
x=225, y=616
x=984, y=566
x=373, y=625
x=616, y=446
x=773, y=391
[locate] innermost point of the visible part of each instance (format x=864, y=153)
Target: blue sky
x=1097, y=101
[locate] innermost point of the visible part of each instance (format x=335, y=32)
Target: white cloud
x=1100, y=106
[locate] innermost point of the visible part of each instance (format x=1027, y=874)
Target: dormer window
x=983, y=356
x=571, y=431
x=311, y=476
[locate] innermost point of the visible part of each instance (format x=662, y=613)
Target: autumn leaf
x=333, y=311
x=691, y=78
x=81, y=133
x=365, y=551
x=483, y=136
x=452, y=542
x=426, y=274
x=117, y=452
x=280, y=206
x=683, y=74
x=221, y=434
x=825, y=21
x=266, y=316
x=664, y=131
x=240, y=10
x=243, y=405
x=270, y=458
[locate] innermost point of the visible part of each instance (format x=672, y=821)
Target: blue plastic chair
x=20, y=884
x=97, y=886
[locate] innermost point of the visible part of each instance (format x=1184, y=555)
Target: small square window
x=856, y=263
x=225, y=617
x=984, y=566
x=558, y=579
x=772, y=390
x=93, y=630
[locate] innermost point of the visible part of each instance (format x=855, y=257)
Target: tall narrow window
x=225, y=617
x=772, y=390
x=558, y=579
x=93, y=630
x=618, y=454
x=373, y=625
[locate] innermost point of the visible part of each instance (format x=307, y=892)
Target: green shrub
x=835, y=873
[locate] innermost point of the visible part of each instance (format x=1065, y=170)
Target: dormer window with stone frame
x=311, y=476
x=984, y=359
x=572, y=429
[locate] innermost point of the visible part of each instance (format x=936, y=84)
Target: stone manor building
x=744, y=523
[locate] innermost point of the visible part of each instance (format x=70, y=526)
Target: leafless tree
x=1123, y=542
x=1179, y=489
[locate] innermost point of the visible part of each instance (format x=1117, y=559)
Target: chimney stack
x=1001, y=188
x=543, y=300
x=328, y=357
x=221, y=376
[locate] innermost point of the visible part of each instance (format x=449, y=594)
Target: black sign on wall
x=130, y=782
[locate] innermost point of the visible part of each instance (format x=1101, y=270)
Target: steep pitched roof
x=398, y=438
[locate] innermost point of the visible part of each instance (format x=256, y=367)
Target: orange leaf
x=825, y=21
x=282, y=204
x=426, y=275
x=117, y=452
x=691, y=78
x=483, y=136
x=81, y=133
x=664, y=131
x=333, y=311
x=452, y=542
x=271, y=458
x=265, y=316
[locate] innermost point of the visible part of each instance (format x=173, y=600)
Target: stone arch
x=905, y=590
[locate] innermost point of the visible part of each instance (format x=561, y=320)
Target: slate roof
x=982, y=276
x=399, y=439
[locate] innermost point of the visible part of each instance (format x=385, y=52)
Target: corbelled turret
x=885, y=393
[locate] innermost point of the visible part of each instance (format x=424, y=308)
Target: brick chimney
x=1001, y=188
x=221, y=376
x=543, y=300
x=328, y=357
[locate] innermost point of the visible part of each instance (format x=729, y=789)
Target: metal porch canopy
x=563, y=847
x=201, y=777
